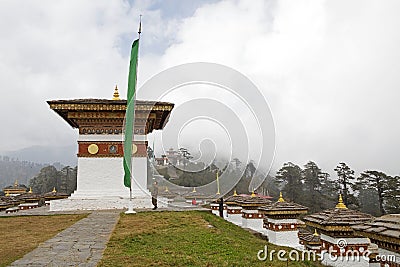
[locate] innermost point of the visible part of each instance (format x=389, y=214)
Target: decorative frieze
x=252, y=215
x=112, y=107
x=234, y=210
x=337, y=249
x=102, y=116
x=281, y=227
x=99, y=149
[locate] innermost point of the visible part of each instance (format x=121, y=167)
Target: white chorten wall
x=279, y=236
x=214, y=208
x=234, y=215
x=100, y=183
x=345, y=252
x=253, y=220
x=100, y=177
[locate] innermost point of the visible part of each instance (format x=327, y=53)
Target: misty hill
x=12, y=169
x=66, y=155
x=24, y=164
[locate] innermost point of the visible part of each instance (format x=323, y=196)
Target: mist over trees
x=49, y=177
x=12, y=169
x=372, y=192
x=385, y=187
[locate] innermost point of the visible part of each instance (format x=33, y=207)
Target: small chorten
x=340, y=204
x=315, y=232
x=280, y=197
x=116, y=94
x=282, y=223
x=335, y=225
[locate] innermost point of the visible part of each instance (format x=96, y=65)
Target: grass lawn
x=191, y=238
x=21, y=234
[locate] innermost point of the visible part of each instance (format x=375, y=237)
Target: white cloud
x=56, y=50
x=329, y=69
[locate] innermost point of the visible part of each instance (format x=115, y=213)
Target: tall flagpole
x=218, y=184
x=130, y=206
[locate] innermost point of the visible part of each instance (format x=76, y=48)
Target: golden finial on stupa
x=16, y=183
x=194, y=190
x=166, y=189
x=340, y=204
x=280, y=197
x=235, y=193
x=54, y=190
x=30, y=190
x=315, y=232
x=116, y=94
x=253, y=194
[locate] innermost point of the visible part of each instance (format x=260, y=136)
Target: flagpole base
x=130, y=208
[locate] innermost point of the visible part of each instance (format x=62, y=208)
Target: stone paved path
x=82, y=244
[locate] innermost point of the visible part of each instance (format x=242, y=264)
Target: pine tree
x=379, y=182
x=290, y=176
x=312, y=177
x=392, y=196
x=345, y=182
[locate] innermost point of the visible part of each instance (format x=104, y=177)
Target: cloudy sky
x=329, y=69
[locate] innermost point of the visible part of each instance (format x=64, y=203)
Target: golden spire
x=340, y=204
x=16, y=183
x=253, y=194
x=166, y=189
x=194, y=190
x=280, y=197
x=30, y=190
x=315, y=232
x=116, y=94
x=54, y=190
x=235, y=193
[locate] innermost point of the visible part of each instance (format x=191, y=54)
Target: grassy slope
x=184, y=239
x=22, y=234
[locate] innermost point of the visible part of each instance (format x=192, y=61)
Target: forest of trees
x=12, y=169
x=372, y=192
x=63, y=180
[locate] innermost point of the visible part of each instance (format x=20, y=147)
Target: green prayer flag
x=130, y=114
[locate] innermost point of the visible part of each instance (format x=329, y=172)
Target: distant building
x=15, y=190
x=171, y=157
x=163, y=161
x=28, y=200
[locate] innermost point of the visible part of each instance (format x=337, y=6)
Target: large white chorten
x=100, y=151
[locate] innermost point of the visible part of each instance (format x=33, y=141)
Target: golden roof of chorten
x=338, y=219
